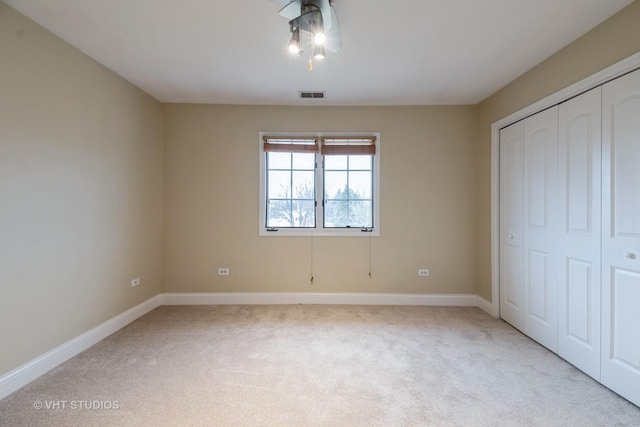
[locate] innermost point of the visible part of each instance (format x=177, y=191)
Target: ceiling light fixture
x=319, y=38
x=294, y=44
x=312, y=22
x=318, y=31
x=318, y=52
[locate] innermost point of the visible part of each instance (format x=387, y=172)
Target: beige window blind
x=290, y=144
x=351, y=145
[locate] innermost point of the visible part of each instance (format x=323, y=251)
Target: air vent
x=311, y=95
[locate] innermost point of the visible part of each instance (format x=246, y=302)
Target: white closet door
x=540, y=216
x=621, y=236
x=579, y=186
x=511, y=226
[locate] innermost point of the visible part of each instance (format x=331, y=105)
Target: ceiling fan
x=313, y=20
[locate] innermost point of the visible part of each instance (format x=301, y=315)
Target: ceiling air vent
x=311, y=95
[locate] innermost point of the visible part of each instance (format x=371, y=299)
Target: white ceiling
x=411, y=52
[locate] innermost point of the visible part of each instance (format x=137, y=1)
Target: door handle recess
x=630, y=255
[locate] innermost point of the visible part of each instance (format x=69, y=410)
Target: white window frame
x=319, y=230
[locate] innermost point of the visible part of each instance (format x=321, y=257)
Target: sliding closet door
x=540, y=230
x=511, y=226
x=621, y=236
x=579, y=184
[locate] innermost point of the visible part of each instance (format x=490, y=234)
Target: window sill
x=342, y=232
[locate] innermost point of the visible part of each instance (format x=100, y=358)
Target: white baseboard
x=317, y=298
x=486, y=306
x=28, y=372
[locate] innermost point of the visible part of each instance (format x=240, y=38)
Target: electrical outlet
x=423, y=272
x=223, y=271
x=135, y=282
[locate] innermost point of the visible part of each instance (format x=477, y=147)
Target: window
x=320, y=184
x=291, y=183
x=348, y=186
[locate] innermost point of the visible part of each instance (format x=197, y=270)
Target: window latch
x=272, y=229
x=367, y=229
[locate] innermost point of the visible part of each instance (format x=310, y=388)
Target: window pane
x=360, y=162
x=304, y=161
x=359, y=185
x=303, y=185
x=335, y=185
x=290, y=190
x=348, y=192
x=336, y=213
x=304, y=213
x=279, y=160
x=279, y=185
x=360, y=213
x=335, y=162
x=348, y=213
x=279, y=213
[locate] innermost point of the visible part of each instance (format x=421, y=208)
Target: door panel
x=578, y=168
x=579, y=306
x=539, y=240
x=538, y=170
x=513, y=271
x=538, y=297
x=625, y=165
x=511, y=199
x=579, y=234
x=625, y=293
x=621, y=236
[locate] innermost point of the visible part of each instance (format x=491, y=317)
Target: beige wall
x=211, y=203
x=80, y=192
x=613, y=40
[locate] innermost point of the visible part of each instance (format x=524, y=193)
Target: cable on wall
x=311, y=261
x=370, y=274
x=370, y=231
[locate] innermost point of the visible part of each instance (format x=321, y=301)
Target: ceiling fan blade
x=334, y=36
x=291, y=10
x=283, y=2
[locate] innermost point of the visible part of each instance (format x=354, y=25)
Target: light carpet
x=315, y=365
